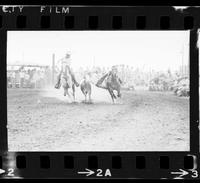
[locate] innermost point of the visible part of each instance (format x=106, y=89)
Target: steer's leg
x=90, y=100
x=89, y=97
x=89, y=93
x=73, y=89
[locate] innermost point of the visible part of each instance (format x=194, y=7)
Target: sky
x=158, y=50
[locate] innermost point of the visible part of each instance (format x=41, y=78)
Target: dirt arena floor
x=45, y=120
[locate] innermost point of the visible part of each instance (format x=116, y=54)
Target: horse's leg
x=90, y=100
x=85, y=95
x=110, y=91
x=65, y=91
x=73, y=89
x=111, y=94
x=114, y=97
x=119, y=93
x=114, y=94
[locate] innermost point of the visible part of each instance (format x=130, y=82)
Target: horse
x=86, y=89
x=67, y=83
x=113, y=83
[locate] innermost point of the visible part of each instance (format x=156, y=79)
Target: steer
x=86, y=88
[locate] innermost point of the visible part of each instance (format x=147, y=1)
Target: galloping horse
x=67, y=83
x=112, y=82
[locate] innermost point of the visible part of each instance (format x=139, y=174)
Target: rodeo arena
x=41, y=118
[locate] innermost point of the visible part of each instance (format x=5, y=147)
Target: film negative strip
x=99, y=92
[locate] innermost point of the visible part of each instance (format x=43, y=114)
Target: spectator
x=22, y=78
x=17, y=79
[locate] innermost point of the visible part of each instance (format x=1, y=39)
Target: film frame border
x=121, y=164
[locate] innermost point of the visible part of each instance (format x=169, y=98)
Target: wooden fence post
x=53, y=68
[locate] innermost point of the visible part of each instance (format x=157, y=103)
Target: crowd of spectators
x=24, y=77
x=177, y=82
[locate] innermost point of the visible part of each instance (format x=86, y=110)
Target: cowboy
x=113, y=71
x=65, y=64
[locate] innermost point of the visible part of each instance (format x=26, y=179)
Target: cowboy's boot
x=58, y=84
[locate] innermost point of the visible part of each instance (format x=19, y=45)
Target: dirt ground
x=44, y=120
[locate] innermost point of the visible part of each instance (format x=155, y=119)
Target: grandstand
x=28, y=76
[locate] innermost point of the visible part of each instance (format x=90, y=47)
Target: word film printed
x=99, y=92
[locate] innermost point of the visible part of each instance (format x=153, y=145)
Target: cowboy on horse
x=66, y=66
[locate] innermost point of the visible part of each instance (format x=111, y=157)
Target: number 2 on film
x=10, y=172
